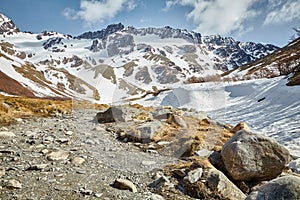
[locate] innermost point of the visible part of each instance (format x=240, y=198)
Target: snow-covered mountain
x=116, y=62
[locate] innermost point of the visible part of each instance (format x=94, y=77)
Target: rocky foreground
x=132, y=152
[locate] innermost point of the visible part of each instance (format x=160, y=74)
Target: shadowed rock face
x=248, y=156
x=287, y=187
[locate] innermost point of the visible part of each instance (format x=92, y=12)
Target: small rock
x=195, y=175
x=69, y=133
x=6, y=134
x=241, y=126
x=203, y=153
x=38, y=167
x=2, y=172
x=63, y=140
x=98, y=195
x=78, y=160
x=148, y=163
x=19, y=120
x=159, y=183
x=14, y=184
x=85, y=191
x=45, y=151
x=124, y=184
x=59, y=155
x=155, y=197
x=163, y=143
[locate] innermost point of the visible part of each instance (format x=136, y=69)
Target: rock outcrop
x=248, y=156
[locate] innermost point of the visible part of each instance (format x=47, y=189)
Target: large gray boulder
x=122, y=113
x=283, y=188
x=249, y=156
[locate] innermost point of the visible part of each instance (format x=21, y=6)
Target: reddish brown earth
x=13, y=87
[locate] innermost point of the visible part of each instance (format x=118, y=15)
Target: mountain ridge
x=127, y=60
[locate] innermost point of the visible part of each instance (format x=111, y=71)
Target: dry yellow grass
x=23, y=107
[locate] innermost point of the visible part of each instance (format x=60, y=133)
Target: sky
x=265, y=21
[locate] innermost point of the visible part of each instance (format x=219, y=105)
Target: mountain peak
x=110, y=29
x=7, y=25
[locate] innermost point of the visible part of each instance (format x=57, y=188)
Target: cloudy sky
x=267, y=21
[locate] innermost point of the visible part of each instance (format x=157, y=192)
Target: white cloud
x=95, y=11
x=288, y=12
x=218, y=16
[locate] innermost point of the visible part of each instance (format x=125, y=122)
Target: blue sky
x=267, y=21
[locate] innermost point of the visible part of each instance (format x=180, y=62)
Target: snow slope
x=267, y=105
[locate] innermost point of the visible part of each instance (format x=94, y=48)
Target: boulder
x=286, y=187
x=147, y=130
x=217, y=181
x=249, y=156
x=122, y=113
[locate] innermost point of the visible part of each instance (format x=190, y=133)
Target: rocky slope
x=117, y=61
x=75, y=157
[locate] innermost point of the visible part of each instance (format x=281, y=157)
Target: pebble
x=78, y=160
x=14, y=184
x=38, y=167
x=6, y=134
x=69, y=133
x=148, y=162
x=124, y=184
x=195, y=175
x=59, y=155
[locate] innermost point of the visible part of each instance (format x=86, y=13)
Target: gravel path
x=71, y=157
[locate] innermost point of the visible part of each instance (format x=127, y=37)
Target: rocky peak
x=7, y=25
x=102, y=34
x=167, y=32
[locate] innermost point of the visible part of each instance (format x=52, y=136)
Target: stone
x=123, y=113
x=286, y=187
x=159, y=182
x=148, y=162
x=161, y=114
x=155, y=197
x=78, y=161
x=294, y=165
x=85, y=191
x=37, y=167
x=240, y=126
x=69, y=133
x=248, y=156
x=194, y=175
x=177, y=120
x=58, y=155
x=202, y=153
x=217, y=181
x=13, y=184
x=124, y=184
x=147, y=130
x=6, y=134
